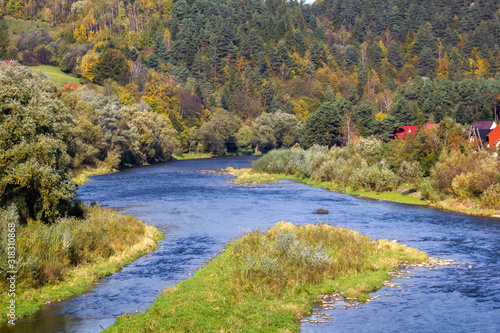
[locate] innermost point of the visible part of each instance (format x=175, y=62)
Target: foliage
x=112, y=65
x=219, y=132
x=34, y=159
x=270, y=130
x=491, y=197
x=323, y=126
x=4, y=38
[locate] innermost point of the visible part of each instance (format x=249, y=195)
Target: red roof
x=71, y=85
x=8, y=62
x=493, y=137
x=403, y=131
x=429, y=126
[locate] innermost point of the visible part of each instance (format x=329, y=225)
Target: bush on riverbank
x=368, y=165
x=356, y=166
x=266, y=281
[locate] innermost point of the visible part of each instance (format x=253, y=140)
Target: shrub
x=428, y=191
x=449, y=166
x=491, y=197
x=464, y=185
x=368, y=149
x=410, y=172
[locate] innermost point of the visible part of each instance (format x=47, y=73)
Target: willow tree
x=35, y=128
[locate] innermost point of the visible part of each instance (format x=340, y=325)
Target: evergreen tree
x=323, y=126
x=426, y=62
x=113, y=65
x=394, y=55
x=402, y=113
x=160, y=49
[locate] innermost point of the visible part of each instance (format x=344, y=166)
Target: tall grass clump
x=265, y=281
x=46, y=252
x=56, y=261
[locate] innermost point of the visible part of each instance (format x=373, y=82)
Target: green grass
x=56, y=74
x=121, y=239
x=388, y=196
x=249, y=176
x=82, y=176
x=264, y=282
x=18, y=26
x=192, y=155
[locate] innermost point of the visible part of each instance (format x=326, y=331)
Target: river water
x=199, y=211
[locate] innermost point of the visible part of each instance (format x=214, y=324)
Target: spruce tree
x=323, y=126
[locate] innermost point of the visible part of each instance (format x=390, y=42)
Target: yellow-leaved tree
x=88, y=66
x=478, y=65
x=159, y=93
x=80, y=34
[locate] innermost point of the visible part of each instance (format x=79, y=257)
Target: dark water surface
x=199, y=211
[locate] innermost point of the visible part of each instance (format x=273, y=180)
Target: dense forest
x=210, y=65
x=330, y=81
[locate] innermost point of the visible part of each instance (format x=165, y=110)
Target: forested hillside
x=214, y=67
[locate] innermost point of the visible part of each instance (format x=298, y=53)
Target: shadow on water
x=201, y=211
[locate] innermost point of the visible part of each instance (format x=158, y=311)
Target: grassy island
x=63, y=259
x=266, y=281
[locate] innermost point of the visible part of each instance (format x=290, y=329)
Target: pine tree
x=394, y=55
x=401, y=112
x=160, y=49
x=426, y=62
x=323, y=126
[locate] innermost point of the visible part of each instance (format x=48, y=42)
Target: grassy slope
x=191, y=156
x=77, y=279
x=18, y=26
x=56, y=74
x=240, y=291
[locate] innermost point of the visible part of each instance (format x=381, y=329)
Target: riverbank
x=249, y=176
x=82, y=176
x=102, y=244
x=267, y=281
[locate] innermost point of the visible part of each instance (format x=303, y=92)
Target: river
x=199, y=210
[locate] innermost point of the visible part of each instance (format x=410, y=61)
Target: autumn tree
x=88, y=66
x=35, y=129
x=112, y=65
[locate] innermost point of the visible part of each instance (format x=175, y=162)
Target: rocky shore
x=337, y=301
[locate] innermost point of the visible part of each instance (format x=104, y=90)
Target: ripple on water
x=213, y=211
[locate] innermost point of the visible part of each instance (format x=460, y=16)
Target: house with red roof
x=402, y=132
x=70, y=86
x=481, y=129
x=11, y=62
x=493, y=138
